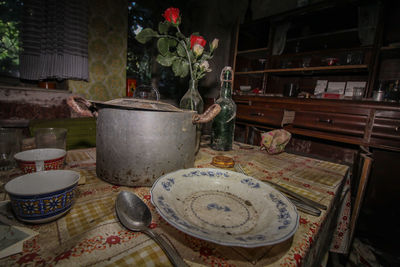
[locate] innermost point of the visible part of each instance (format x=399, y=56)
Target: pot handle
x=74, y=100
x=208, y=115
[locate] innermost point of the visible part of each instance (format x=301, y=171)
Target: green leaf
x=176, y=67
x=165, y=61
x=180, y=35
x=206, y=56
x=185, y=68
x=163, y=27
x=192, y=56
x=180, y=68
x=172, y=42
x=163, y=46
x=188, y=43
x=145, y=35
x=180, y=49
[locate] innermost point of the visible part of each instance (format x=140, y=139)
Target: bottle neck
x=193, y=84
x=226, y=89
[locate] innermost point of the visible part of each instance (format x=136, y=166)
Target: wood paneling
x=366, y=123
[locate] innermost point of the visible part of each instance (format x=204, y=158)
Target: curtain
x=54, y=40
x=280, y=38
x=367, y=23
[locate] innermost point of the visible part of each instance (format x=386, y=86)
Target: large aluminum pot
x=134, y=147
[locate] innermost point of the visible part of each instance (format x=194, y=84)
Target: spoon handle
x=173, y=256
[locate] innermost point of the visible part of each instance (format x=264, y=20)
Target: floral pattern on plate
x=224, y=207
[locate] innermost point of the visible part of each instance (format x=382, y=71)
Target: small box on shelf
x=336, y=87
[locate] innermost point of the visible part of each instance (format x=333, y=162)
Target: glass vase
x=192, y=100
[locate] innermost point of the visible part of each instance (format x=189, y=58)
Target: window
x=139, y=56
x=10, y=18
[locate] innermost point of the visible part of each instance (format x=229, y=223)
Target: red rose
x=194, y=39
x=172, y=15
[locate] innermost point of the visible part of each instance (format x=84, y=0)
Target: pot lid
x=134, y=103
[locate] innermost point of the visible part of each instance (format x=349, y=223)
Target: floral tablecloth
x=90, y=234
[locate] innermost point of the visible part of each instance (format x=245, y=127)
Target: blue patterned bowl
x=41, y=197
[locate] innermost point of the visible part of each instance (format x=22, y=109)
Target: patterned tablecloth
x=90, y=234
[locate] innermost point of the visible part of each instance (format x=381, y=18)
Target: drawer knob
x=325, y=120
x=397, y=129
x=258, y=114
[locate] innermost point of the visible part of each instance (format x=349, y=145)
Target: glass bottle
x=223, y=125
x=394, y=92
x=192, y=99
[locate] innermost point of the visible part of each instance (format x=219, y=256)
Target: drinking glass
x=358, y=93
x=10, y=140
x=146, y=92
x=51, y=138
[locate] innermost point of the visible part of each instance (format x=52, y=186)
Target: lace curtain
x=54, y=40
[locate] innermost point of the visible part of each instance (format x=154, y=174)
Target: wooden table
x=90, y=234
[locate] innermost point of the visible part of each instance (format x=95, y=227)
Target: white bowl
x=42, y=159
x=245, y=88
x=42, y=196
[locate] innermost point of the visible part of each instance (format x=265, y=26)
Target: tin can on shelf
x=378, y=95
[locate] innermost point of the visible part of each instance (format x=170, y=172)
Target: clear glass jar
x=146, y=92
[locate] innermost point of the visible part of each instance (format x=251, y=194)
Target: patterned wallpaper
x=108, y=28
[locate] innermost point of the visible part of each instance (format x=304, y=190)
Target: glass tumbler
x=358, y=93
x=10, y=144
x=51, y=138
x=146, y=92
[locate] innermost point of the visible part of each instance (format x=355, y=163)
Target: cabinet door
x=260, y=114
x=331, y=122
x=386, y=128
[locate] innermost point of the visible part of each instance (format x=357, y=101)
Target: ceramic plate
x=224, y=207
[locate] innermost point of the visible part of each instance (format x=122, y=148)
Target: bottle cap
x=226, y=74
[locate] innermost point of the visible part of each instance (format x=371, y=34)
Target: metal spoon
x=134, y=214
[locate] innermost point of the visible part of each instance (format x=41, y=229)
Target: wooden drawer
x=331, y=122
x=260, y=114
x=386, y=128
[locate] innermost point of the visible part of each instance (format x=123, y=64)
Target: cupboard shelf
x=321, y=68
x=300, y=44
x=250, y=51
x=352, y=30
x=250, y=72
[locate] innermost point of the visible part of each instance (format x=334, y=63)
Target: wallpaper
x=107, y=51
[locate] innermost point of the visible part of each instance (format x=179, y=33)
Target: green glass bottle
x=223, y=125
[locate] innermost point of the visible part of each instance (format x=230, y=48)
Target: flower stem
x=184, y=46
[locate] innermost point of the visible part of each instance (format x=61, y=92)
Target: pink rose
x=198, y=50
